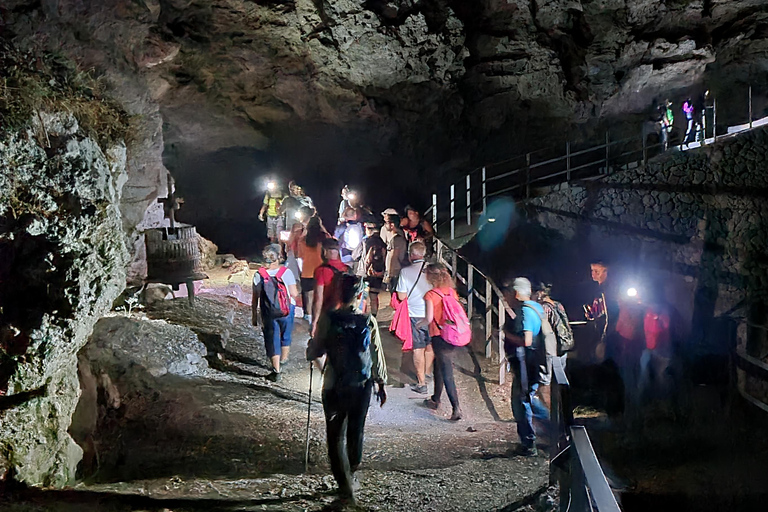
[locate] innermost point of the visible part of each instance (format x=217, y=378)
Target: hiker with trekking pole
x=354, y=363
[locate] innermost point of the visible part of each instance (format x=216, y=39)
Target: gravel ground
x=235, y=441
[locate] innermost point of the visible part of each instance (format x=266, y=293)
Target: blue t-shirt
x=531, y=321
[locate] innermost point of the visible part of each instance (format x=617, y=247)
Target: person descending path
x=355, y=362
x=273, y=199
x=274, y=299
x=688, y=110
x=412, y=285
x=529, y=339
x=326, y=293
x=310, y=252
x=397, y=249
x=449, y=328
x=372, y=263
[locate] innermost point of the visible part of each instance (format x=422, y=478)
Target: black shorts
x=375, y=284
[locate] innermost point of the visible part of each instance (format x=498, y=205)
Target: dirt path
x=235, y=441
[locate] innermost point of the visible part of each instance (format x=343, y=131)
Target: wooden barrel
x=173, y=255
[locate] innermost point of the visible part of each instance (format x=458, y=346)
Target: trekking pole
x=309, y=414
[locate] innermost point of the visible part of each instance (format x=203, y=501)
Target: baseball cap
x=389, y=211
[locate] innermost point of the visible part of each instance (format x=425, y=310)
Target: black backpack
x=348, y=348
x=377, y=251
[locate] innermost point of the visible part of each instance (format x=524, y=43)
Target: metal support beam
x=434, y=210
x=607, y=152
x=527, y=175
x=750, y=107
x=485, y=205
x=469, y=202
x=714, y=119
x=453, y=212
x=568, y=161
x=470, y=291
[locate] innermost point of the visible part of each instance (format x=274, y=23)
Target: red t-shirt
x=324, y=277
x=656, y=327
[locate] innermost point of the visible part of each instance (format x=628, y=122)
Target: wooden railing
x=479, y=290
x=573, y=463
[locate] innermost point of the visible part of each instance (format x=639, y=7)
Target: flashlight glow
x=632, y=292
x=351, y=196
x=271, y=186
x=298, y=215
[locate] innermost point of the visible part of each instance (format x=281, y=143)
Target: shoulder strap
x=417, y=279
x=541, y=316
x=280, y=273
x=263, y=273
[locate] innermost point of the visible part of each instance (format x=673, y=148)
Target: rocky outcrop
x=62, y=263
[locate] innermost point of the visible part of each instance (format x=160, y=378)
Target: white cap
x=389, y=211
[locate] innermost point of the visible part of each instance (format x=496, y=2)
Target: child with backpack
x=355, y=361
x=449, y=328
x=274, y=300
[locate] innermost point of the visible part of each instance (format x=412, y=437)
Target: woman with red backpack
x=274, y=299
x=449, y=329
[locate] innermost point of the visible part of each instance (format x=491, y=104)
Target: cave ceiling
x=424, y=83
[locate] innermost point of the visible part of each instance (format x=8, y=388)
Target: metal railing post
x=470, y=290
x=469, y=202
x=714, y=119
x=607, y=149
x=485, y=205
x=453, y=211
x=750, y=107
x=502, y=321
x=645, y=149
x=527, y=175
x=568, y=161
x=488, y=318
x=454, y=265
x=434, y=210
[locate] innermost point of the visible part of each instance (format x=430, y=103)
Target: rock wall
x=696, y=220
x=62, y=264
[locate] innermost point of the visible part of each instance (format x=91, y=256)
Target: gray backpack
x=546, y=338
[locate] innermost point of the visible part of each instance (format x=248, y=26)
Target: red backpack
x=455, y=328
x=275, y=302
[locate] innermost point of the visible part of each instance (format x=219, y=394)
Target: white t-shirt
x=408, y=276
x=288, y=279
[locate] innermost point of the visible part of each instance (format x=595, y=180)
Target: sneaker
x=457, y=415
x=308, y=318
x=526, y=451
x=430, y=377
x=274, y=376
x=422, y=390
x=429, y=403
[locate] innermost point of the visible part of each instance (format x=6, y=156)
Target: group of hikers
x=339, y=281
x=694, y=113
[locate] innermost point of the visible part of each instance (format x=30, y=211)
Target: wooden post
x=484, y=196
x=488, y=317
x=453, y=211
x=434, y=211
x=469, y=202
x=750, y=107
x=470, y=291
x=527, y=175
x=502, y=356
x=568, y=161
x=607, y=148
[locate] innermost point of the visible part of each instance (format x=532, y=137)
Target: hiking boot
x=274, y=376
x=429, y=403
x=526, y=451
x=422, y=390
x=457, y=414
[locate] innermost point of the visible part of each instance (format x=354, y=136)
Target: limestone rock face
x=63, y=257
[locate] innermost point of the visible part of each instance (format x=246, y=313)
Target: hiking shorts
x=375, y=283
x=420, y=334
x=278, y=333
x=274, y=226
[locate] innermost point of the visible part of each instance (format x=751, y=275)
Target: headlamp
x=298, y=216
x=632, y=292
x=352, y=196
x=271, y=186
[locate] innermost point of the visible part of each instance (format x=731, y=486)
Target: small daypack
x=275, y=302
x=377, y=256
x=349, y=348
x=455, y=328
x=546, y=339
x=560, y=326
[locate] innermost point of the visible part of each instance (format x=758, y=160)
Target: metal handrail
x=573, y=462
x=754, y=367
